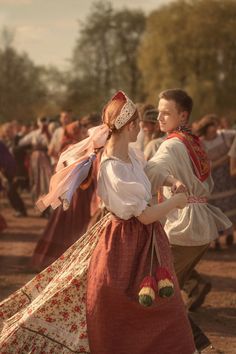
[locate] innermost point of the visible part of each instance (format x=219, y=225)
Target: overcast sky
x=47, y=29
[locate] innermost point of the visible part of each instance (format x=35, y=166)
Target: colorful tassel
x=164, y=282
x=147, y=292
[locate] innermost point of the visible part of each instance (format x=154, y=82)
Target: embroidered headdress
x=127, y=111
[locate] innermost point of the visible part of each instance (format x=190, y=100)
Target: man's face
x=170, y=118
x=65, y=118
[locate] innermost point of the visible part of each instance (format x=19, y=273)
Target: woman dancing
x=88, y=300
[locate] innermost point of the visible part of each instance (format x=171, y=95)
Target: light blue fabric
x=79, y=174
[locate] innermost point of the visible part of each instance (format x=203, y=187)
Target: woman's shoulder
x=114, y=167
x=136, y=154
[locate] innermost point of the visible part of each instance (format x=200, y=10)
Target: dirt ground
x=217, y=317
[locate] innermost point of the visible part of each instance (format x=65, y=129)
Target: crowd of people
x=157, y=194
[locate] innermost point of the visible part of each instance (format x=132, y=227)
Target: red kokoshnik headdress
x=196, y=153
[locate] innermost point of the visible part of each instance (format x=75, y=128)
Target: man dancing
x=181, y=157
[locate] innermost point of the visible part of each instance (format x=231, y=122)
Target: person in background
x=8, y=168
x=232, y=156
x=217, y=143
x=40, y=166
x=7, y=135
x=151, y=129
x=54, y=147
x=52, y=126
x=148, y=125
x=225, y=123
x=22, y=157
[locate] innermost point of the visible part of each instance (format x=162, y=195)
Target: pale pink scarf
x=72, y=169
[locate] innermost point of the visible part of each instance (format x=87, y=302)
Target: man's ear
x=184, y=117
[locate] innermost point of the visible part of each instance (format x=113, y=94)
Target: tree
x=55, y=82
x=21, y=89
x=129, y=27
x=191, y=44
x=105, y=57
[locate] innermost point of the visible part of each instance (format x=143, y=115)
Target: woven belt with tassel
x=161, y=283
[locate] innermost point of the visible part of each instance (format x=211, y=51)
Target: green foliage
x=105, y=57
x=56, y=86
x=26, y=90
x=20, y=87
x=191, y=44
x=21, y=91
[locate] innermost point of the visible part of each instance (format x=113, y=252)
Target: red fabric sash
x=196, y=153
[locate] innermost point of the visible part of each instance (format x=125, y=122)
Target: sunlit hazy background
x=76, y=53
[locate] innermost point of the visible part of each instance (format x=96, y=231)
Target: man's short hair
x=183, y=101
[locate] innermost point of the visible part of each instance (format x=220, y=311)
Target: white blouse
x=124, y=187
x=198, y=223
x=36, y=138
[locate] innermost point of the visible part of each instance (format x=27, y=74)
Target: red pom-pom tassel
x=164, y=282
x=147, y=291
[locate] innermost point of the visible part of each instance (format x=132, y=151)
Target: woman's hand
x=178, y=187
x=180, y=200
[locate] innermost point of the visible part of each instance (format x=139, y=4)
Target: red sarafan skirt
x=63, y=229
x=116, y=322
x=87, y=300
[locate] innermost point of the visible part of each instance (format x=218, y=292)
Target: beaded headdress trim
x=127, y=110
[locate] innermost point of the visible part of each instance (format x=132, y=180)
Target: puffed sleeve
x=119, y=191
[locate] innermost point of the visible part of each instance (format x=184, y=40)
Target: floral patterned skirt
x=87, y=300
x=48, y=314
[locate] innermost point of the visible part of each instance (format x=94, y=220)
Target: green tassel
x=167, y=291
x=145, y=300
